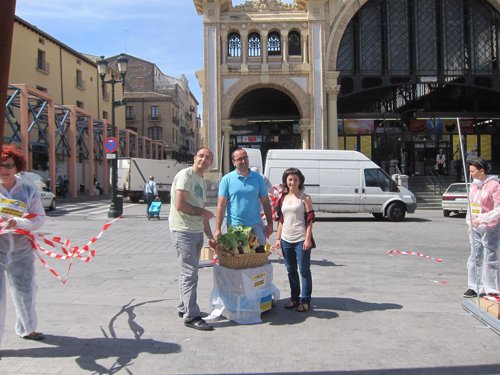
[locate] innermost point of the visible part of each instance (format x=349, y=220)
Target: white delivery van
x=254, y=158
x=343, y=181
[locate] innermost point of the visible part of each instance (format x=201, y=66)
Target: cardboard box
x=491, y=307
x=207, y=253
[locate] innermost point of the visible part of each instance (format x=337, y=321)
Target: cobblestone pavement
x=372, y=313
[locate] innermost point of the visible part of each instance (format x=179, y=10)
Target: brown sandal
x=291, y=304
x=304, y=307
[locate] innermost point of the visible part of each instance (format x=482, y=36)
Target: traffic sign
x=111, y=144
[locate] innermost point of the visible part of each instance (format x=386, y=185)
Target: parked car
x=455, y=199
x=48, y=197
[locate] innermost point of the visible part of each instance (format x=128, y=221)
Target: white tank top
x=294, y=222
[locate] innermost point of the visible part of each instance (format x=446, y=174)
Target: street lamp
x=115, y=209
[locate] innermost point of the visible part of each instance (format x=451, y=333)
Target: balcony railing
x=154, y=118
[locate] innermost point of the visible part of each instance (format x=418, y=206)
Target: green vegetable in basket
x=228, y=242
x=243, y=234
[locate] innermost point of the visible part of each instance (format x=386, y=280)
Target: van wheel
x=446, y=213
x=52, y=205
x=396, y=212
x=378, y=215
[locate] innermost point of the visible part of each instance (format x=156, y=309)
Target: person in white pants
x=483, y=219
x=18, y=197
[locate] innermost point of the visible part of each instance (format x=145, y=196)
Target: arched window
x=234, y=45
x=254, y=45
x=294, y=48
x=274, y=44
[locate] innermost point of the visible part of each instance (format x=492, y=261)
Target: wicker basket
x=240, y=261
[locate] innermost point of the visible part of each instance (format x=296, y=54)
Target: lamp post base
x=116, y=207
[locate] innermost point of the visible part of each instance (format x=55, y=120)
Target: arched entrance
x=265, y=118
x=408, y=69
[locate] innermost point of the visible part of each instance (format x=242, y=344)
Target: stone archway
x=235, y=122
x=287, y=85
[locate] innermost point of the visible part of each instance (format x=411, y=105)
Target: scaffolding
x=60, y=139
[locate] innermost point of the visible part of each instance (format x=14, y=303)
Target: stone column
x=305, y=51
x=284, y=45
x=244, y=50
x=305, y=130
x=332, y=129
x=212, y=64
x=284, y=51
x=263, y=45
x=225, y=47
x=226, y=131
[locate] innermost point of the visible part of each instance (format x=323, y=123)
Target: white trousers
x=21, y=278
x=483, y=265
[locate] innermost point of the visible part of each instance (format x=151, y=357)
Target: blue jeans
x=295, y=256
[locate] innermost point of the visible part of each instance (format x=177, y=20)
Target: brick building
x=161, y=108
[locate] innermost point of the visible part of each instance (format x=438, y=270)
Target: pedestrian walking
x=150, y=192
x=188, y=221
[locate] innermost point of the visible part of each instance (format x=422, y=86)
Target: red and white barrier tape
x=391, y=252
x=84, y=253
x=493, y=298
x=273, y=200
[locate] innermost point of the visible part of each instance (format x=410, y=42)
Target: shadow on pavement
x=88, y=351
x=458, y=370
x=314, y=262
x=322, y=308
x=368, y=219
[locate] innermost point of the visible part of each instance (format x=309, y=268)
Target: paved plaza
x=372, y=313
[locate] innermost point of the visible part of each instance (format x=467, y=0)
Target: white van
x=254, y=158
x=343, y=181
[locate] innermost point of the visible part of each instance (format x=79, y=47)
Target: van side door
x=378, y=189
x=340, y=187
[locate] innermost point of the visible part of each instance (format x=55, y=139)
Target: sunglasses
x=7, y=165
x=241, y=159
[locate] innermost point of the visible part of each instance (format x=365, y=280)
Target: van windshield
x=376, y=177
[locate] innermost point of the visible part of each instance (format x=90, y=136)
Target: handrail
x=440, y=182
x=433, y=183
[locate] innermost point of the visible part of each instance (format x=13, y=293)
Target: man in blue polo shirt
x=240, y=194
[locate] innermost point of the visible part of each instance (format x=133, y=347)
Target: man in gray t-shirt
x=188, y=220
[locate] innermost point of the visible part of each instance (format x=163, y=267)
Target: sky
x=168, y=33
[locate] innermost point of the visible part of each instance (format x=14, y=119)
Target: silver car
x=455, y=199
x=48, y=197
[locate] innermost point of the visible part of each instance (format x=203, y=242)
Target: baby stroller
x=154, y=209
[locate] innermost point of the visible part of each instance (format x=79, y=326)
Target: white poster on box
x=242, y=295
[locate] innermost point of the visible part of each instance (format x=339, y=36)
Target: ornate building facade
x=390, y=78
